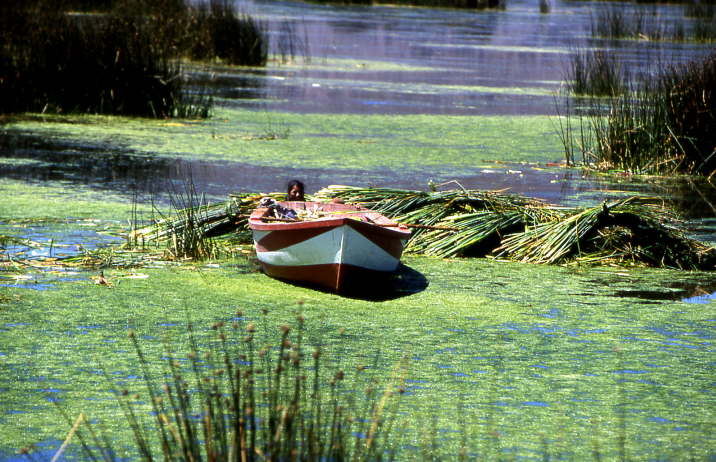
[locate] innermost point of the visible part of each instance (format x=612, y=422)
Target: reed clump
x=462, y=4
x=193, y=227
x=108, y=64
x=596, y=73
x=617, y=22
x=242, y=400
x=646, y=23
x=217, y=31
x=662, y=126
x=120, y=57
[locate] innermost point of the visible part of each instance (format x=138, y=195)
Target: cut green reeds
x=625, y=231
x=478, y=234
x=514, y=227
x=208, y=219
x=551, y=242
x=470, y=223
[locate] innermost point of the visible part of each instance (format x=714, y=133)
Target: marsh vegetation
x=657, y=119
x=123, y=60
x=644, y=23
x=463, y=4
x=647, y=124
x=243, y=399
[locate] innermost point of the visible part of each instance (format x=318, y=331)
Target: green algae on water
x=324, y=140
x=530, y=352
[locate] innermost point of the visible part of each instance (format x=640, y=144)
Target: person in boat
x=294, y=191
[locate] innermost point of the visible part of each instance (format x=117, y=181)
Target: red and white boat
x=338, y=247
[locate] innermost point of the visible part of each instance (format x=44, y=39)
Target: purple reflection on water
x=442, y=61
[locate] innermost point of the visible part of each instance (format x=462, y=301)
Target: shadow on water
x=225, y=83
x=105, y=166
x=112, y=167
x=689, y=292
x=404, y=282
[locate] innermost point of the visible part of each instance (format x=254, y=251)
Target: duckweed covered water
x=540, y=360
x=563, y=361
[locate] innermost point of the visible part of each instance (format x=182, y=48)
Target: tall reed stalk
x=242, y=401
x=633, y=22
x=663, y=125
x=596, y=73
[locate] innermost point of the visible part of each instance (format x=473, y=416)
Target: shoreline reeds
x=644, y=22
x=596, y=73
x=124, y=59
x=662, y=124
x=459, y=4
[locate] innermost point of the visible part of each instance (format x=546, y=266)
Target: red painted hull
x=339, y=278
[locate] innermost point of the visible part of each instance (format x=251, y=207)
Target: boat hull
x=338, y=254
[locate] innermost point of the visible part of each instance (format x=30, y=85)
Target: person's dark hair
x=293, y=183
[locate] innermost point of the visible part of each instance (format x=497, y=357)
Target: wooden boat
x=338, y=247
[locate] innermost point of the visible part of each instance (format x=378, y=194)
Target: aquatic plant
x=240, y=400
x=121, y=61
x=664, y=125
x=639, y=22
x=192, y=217
x=596, y=73
x=544, y=6
x=467, y=4
x=217, y=30
x=618, y=22
x=56, y=62
x=688, y=96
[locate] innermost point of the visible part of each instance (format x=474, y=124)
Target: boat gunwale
x=397, y=231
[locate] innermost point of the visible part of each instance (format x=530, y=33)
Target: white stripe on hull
x=339, y=245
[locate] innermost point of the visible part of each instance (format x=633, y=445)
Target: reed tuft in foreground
x=244, y=401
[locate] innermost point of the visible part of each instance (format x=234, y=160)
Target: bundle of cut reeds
x=634, y=230
x=212, y=219
x=462, y=222
x=462, y=209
